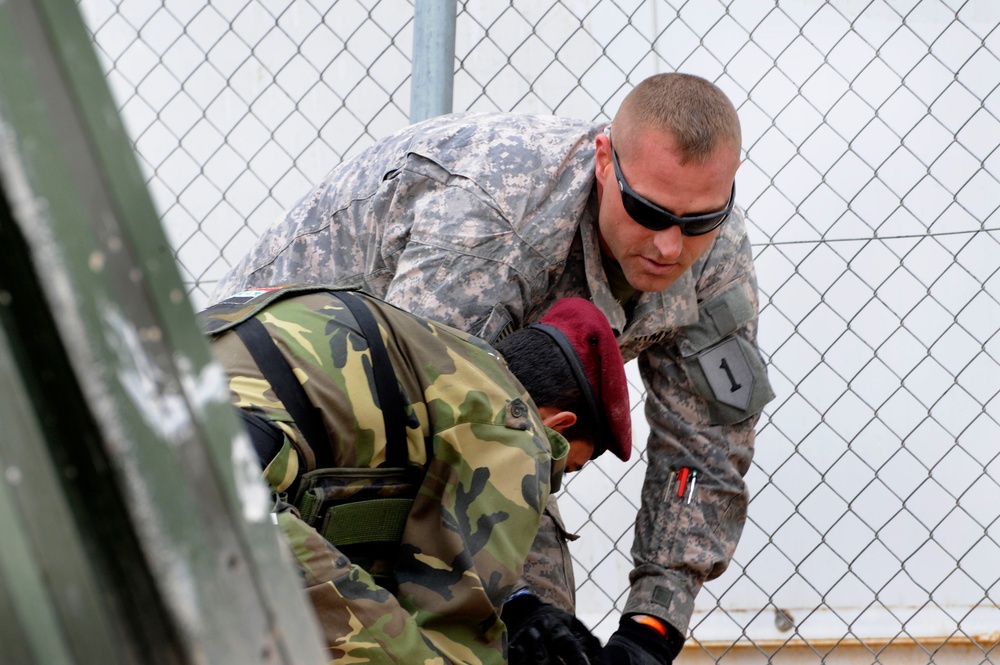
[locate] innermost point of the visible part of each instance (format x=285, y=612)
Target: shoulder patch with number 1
x=728, y=373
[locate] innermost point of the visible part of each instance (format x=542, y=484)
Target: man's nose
x=669, y=242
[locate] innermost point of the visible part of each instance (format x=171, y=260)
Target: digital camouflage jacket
x=469, y=424
x=482, y=221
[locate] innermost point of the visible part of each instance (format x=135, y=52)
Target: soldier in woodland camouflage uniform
x=478, y=453
x=483, y=220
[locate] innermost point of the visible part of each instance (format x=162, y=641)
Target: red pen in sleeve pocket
x=687, y=478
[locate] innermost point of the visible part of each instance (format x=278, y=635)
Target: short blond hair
x=693, y=110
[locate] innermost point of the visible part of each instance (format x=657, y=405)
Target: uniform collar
x=672, y=308
x=560, y=455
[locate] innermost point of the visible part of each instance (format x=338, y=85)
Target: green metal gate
x=134, y=527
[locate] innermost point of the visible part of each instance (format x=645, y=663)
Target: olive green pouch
x=362, y=512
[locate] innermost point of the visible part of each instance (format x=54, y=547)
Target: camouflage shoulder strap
x=286, y=386
x=385, y=381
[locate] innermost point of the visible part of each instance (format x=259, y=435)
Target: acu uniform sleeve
x=461, y=260
x=548, y=570
x=705, y=389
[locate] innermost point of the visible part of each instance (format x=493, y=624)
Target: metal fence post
x=432, y=83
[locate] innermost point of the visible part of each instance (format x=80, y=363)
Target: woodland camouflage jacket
x=469, y=423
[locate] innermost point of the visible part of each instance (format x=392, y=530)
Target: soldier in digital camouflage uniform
x=483, y=220
x=484, y=452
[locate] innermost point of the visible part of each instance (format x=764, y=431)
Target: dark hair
x=544, y=372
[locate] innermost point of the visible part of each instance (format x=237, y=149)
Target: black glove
x=541, y=634
x=636, y=644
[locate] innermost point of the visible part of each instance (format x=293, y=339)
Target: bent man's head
x=570, y=364
x=665, y=177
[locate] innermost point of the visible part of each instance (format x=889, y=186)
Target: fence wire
x=870, y=183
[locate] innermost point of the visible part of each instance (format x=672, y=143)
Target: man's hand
x=541, y=634
x=637, y=643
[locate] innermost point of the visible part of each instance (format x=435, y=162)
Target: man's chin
x=651, y=283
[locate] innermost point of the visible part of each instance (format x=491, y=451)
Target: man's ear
x=602, y=156
x=557, y=419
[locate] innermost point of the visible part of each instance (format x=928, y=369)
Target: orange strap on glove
x=642, y=639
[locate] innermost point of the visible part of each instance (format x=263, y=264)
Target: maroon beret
x=583, y=333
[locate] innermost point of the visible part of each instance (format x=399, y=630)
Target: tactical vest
x=361, y=511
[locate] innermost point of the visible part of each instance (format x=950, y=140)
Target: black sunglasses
x=655, y=218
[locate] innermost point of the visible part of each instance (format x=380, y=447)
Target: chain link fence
x=870, y=183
